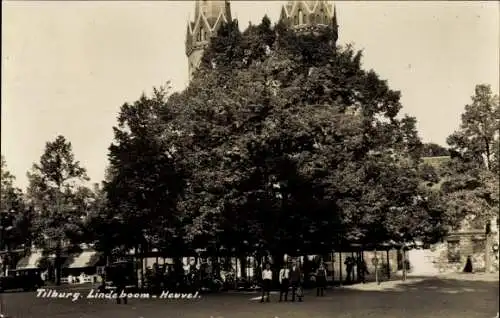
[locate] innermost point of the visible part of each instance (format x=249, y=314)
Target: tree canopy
x=58, y=195
x=15, y=221
x=291, y=145
x=472, y=177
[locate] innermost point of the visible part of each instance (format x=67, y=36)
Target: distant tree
x=11, y=211
x=16, y=215
x=477, y=139
x=55, y=191
x=11, y=197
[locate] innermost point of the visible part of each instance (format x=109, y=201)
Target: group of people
x=291, y=278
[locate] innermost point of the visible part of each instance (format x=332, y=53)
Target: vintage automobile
x=20, y=279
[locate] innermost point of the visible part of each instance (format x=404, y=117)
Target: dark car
x=20, y=280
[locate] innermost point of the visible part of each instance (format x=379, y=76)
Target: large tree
x=280, y=130
x=144, y=179
x=472, y=176
x=56, y=190
x=473, y=172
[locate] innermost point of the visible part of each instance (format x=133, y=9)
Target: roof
x=83, y=260
x=32, y=261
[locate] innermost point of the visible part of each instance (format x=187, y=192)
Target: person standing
x=320, y=280
x=267, y=278
x=468, y=265
x=349, y=263
x=284, y=282
x=295, y=280
x=362, y=270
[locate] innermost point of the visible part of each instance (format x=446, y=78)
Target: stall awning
x=83, y=260
x=31, y=261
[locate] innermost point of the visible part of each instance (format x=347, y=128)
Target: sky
x=67, y=67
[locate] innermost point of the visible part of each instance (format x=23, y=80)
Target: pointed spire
x=228, y=11
x=209, y=17
x=335, y=23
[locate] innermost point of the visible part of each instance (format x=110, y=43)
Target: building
x=209, y=16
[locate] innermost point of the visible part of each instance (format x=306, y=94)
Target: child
x=267, y=278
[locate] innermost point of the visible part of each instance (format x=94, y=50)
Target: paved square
x=456, y=296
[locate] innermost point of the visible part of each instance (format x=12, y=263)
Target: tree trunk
x=244, y=265
x=487, y=253
x=278, y=262
x=388, y=264
x=403, y=256
x=57, y=265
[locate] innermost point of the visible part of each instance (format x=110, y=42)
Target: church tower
x=208, y=18
x=310, y=16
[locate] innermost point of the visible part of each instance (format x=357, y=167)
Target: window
x=198, y=36
x=304, y=19
x=301, y=17
x=295, y=20
x=454, y=251
x=312, y=19
x=478, y=246
x=318, y=19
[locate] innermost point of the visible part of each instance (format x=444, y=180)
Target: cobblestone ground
x=453, y=296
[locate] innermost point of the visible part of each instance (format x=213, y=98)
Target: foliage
x=15, y=218
x=144, y=179
x=282, y=143
x=288, y=140
x=57, y=194
x=434, y=150
x=477, y=139
x=472, y=177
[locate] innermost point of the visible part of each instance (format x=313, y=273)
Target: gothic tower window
x=198, y=36
x=301, y=17
x=318, y=19
x=304, y=19
x=312, y=19
x=295, y=20
x=322, y=15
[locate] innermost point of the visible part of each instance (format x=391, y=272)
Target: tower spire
x=335, y=24
x=209, y=17
x=310, y=16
